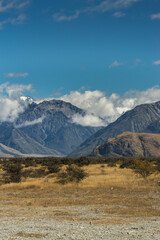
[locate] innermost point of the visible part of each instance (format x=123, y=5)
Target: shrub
x=111, y=164
x=127, y=163
x=158, y=166
x=143, y=167
x=34, y=173
x=72, y=173
x=82, y=161
x=12, y=171
x=28, y=162
x=53, y=168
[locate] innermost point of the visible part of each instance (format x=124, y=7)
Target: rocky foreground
x=42, y=226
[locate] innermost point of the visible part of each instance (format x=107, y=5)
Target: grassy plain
x=107, y=195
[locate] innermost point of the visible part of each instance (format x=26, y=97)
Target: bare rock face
x=130, y=144
x=143, y=118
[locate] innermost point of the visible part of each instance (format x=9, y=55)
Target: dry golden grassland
x=107, y=191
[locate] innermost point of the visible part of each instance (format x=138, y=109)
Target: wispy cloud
x=155, y=16
x=16, y=75
x=12, y=4
x=119, y=14
x=60, y=17
x=156, y=62
x=115, y=64
x=104, y=6
x=13, y=21
x=9, y=6
x=30, y=123
x=23, y=4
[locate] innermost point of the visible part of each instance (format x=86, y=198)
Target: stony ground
x=111, y=204
x=72, y=223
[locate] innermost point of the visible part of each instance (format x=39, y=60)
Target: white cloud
x=107, y=5
x=115, y=64
x=88, y=120
x=12, y=4
x=102, y=109
x=19, y=20
x=60, y=17
x=15, y=91
x=118, y=14
x=10, y=103
x=156, y=62
x=16, y=75
x=155, y=16
x=29, y=123
x=23, y=4
x=104, y=6
x=13, y=21
x=5, y=6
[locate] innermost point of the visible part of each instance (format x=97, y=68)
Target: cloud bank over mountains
x=100, y=108
x=103, y=109
x=11, y=104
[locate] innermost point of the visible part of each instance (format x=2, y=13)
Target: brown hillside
x=130, y=144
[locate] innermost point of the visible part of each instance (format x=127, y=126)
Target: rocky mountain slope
x=46, y=129
x=130, y=144
x=9, y=152
x=18, y=140
x=143, y=118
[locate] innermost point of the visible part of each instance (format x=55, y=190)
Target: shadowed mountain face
x=143, y=118
x=46, y=129
x=130, y=145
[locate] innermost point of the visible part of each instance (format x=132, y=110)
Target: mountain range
x=46, y=129
x=144, y=118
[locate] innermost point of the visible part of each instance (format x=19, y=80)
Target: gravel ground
x=43, y=226
x=20, y=228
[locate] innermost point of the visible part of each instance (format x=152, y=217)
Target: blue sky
x=60, y=46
